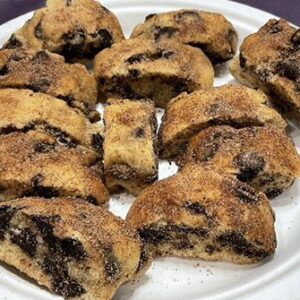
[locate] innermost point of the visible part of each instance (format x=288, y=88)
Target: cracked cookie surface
x=48, y=73
x=145, y=69
x=211, y=32
x=264, y=157
x=76, y=29
x=35, y=164
x=233, y=105
x=23, y=110
x=270, y=59
x=199, y=213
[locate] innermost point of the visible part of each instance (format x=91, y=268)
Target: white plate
x=180, y=279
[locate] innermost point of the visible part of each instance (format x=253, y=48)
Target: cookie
x=23, y=110
x=76, y=29
x=199, y=213
x=34, y=164
x=74, y=249
x=211, y=32
x=145, y=69
x=48, y=73
x=130, y=159
x=264, y=157
x=270, y=59
x=234, y=105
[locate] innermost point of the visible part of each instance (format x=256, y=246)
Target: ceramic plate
x=180, y=279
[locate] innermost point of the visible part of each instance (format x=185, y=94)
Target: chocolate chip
x=6, y=214
x=39, y=190
x=150, y=16
x=154, y=236
x=167, y=54
x=26, y=240
x=46, y=229
x=275, y=28
x=61, y=137
x=160, y=234
x=273, y=192
x=62, y=284
x=38, y=31
x=179, y=85
x=41, y=55
x=40, y=85
x=124, y=90
x=250, y=164
x=240, y=245
x=74, y=43
x=242, y=60
x=13, y=43
x=69, y=2
x=106, y=38
x=195, y=208
x=245, y=193
x=111, y=265
x=210, y=249
x=137, y=58
x=164, y=31
x=296, y=37
x=144, y=258
x=73, y=248
x=68, y=99
x=3, y=70
x=289, y=69
x=182, y=244
x=134, y=74
x=43, y=147
x=97, y=141
x=139, y=132
x=92, y=200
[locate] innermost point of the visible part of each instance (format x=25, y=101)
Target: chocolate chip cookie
x=270, y=59
x=73, y=248
x=23, y=110
x=130, y=159
x=49, y=74
x=145, y=69
x=35, y=164
x=75, y=29
x=234, y=105
x=264, y=157
x=211, y=32
x=199, y=213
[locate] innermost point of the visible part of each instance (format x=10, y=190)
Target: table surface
x=288, y=9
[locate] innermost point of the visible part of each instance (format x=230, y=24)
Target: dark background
x=288, y=9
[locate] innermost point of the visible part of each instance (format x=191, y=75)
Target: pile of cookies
x=59, y=164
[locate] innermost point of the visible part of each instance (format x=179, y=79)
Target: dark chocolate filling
x=26, y=240
x=6, y=214
x=240, y=245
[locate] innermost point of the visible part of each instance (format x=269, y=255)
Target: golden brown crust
x=211, y=32
x=233, y=105
x=75, y=29
x=264, y=157
x=33, y=163
x=73, y=248
x=270, y=59
x=48, y=73
x=141, y=69
x=22, y=110
x=130, y=159
x=201, y=214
